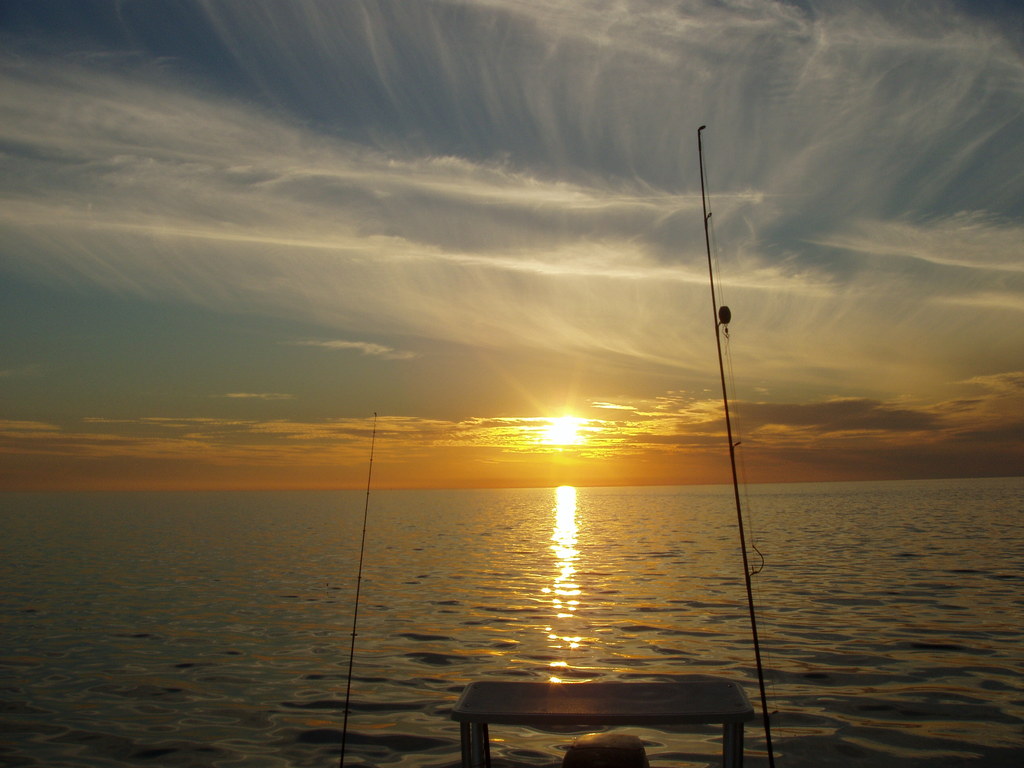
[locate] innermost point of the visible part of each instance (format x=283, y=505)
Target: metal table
x=704, y=700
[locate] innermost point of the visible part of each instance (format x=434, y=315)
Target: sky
x=232, y=232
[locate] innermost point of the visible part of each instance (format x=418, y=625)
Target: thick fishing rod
x=722, y=316
x=355, y=608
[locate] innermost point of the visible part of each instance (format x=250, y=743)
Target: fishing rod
x=355, y=608
x=722, y=316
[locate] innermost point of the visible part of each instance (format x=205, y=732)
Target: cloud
x=611, y=406
x=520, y=178
x=586, y=236
x=855, y=438
x=257, y=396
x=367, y=348
x=29, y=429
x=968, y=240
x=994, y=410
x=1009, y=383
x=840, y=419
x=269, y=219
x=167, y=422
x=21, y=371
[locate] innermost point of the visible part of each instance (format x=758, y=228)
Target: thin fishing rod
x=355, y=608
x=722, y=316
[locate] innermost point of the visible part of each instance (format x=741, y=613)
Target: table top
x=702, y=700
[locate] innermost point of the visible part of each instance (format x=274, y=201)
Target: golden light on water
x=564, y=591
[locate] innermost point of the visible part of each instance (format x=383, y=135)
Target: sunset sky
x=233, y=231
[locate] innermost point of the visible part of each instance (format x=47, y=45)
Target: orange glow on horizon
x=679, y=442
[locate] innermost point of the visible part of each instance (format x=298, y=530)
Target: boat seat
x=606, y=750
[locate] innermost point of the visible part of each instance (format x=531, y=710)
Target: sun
x=563, y=431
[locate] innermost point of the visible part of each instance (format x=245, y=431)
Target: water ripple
x=213, y=629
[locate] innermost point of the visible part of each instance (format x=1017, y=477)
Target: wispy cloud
x=21, y=371
x=1011, y=383
x=518, y=178
x=971, y=241
x=237, y=208
x=367, y=348
x=257, y=396
x=27, y=428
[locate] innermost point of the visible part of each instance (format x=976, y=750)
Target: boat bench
x=706, y=700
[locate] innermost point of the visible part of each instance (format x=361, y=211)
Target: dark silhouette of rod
x=355, y=608
x=722, y=316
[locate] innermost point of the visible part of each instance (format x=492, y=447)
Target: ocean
x=213, y=629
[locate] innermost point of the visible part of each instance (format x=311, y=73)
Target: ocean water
x=213, y=629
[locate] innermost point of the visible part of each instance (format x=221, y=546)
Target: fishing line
x=748, y=508
x=737, y=429
x=737, y=439
x=355, y=607
x=722, y=316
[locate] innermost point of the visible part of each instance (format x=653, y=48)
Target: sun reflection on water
x=564, y=591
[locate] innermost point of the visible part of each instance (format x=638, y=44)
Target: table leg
x=466, y=740
x=732, y=745
x=476, y=748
